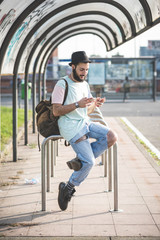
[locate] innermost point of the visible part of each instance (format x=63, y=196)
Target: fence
x=49, y=152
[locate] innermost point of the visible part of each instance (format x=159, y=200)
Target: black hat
x=79, y=57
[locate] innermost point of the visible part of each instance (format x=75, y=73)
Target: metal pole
x=26, y=109
x=115, y=169
x=54, y=153
x=110, y=159
x=102, y=158
x=52, y=160
x=43, y=168
x=115, y=162
x=34, y=101
x=44, y=86
x=39, y=87
x=154, y=80
x=48, y=166
x=14, y=114
x=105, y=163
x=57, y=149
x=43, y=175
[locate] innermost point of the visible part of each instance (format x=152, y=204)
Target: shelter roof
x=35, y=28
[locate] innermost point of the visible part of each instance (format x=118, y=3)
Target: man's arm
x=60, y=110
x=96, y=103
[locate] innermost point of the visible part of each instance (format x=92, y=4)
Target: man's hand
x=85, y=102
x=99, y=101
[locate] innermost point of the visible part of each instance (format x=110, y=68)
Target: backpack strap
x=66, y=91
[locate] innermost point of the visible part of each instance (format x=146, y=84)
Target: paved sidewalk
x=88, y=213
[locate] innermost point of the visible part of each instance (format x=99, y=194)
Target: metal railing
x=49, y=151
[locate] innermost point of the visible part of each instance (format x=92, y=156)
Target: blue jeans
x=87, y=151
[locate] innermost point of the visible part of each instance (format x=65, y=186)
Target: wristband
x=77, y=105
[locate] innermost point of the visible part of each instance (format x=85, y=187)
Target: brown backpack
x=47, y=123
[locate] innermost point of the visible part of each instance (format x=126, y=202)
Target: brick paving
x=88, y=214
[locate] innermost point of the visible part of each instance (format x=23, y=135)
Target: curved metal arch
x=56, y=45
x=14, y=28
x=55, y=42
x=59, y=9
x=125, y=12
x=84, y=13
x=59, y=31
x=72, y=4
x=82, y=28
x=70, y=32
x=92, y=13
x=20, y=52
x=75, y=24
x=147, y=12
x=90, y=28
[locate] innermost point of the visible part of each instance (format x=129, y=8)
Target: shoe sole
x=69, y=165
x=61, y=185
x=74, y=165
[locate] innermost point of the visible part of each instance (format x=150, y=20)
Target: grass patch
x=33, y=145
x=6, y=123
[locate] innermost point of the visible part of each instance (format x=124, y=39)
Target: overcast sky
x=94, y=45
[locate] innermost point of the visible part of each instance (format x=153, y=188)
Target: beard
x=76, y=77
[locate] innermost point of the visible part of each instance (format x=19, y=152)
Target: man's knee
x=111, y=138
x=90, y=163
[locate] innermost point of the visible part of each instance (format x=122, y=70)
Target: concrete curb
x=124, y=121
x=79, y=238
x=142, y=137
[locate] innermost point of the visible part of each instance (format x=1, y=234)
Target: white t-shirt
x=71, y=123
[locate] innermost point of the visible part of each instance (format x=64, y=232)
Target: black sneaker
x=73, y=191
x=64, y=196
x=75, y=164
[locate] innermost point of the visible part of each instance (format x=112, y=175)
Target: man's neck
x=72, y=78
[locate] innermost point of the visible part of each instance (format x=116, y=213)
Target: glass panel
x=155, y=8
x=139, y=73
x=136, y=11
x=9, y=11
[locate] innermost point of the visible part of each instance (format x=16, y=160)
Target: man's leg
x=104, y=136
x=79, y=144
x=85, y=155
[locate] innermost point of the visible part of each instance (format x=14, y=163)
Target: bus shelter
x=31, y=30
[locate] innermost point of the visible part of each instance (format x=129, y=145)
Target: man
x=76, y=127
x=126, y=87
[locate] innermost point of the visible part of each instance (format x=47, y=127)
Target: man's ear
x=73, y=66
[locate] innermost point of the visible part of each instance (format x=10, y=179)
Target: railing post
x=52, y=160
x=110, y=161
x=102, y=158
x=54, y=153
x=43, y=176
x=57, y=148
x=48, y=166
x=115, y=169
x=105, y=162
x=46, y=146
